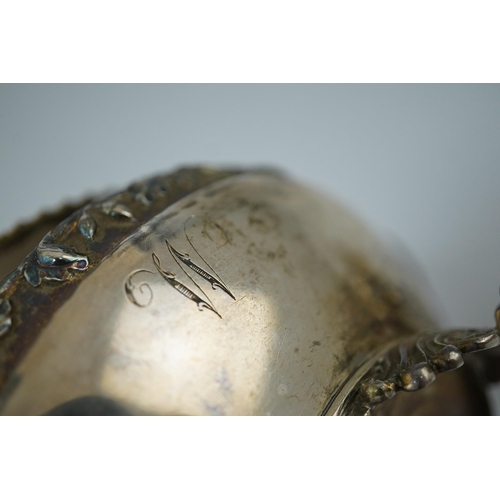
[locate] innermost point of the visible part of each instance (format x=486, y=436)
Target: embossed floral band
x=221, y=292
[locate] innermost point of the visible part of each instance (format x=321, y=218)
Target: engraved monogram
x=141, y=295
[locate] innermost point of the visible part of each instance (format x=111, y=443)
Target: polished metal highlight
x=222, y=292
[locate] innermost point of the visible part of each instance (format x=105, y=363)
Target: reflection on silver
x=325, y=322
x=87, y=225
x=5, y=320
x=61, y=256
x=117, y=210
x=52, y=262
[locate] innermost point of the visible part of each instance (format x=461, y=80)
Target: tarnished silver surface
x=250, y=295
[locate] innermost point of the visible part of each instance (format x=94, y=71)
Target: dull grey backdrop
x=419, y=162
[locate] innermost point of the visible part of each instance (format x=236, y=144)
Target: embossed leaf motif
x=87, y=225
x=116, y=210
x=51, y=262
x=142, y=193
x=30, y=272
x=60, y=256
